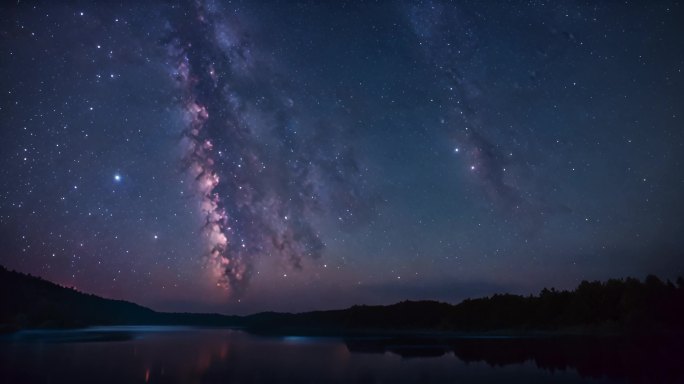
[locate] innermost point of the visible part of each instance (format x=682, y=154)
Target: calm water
x=189, y=355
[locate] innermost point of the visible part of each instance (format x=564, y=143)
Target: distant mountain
x=615, y=306
x=30, y=302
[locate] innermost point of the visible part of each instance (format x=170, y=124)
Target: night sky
x=245, y=156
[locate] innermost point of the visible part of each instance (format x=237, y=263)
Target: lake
x=201, y=355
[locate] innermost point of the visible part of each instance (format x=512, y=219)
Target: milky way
x=259, y=175
x=450, y=43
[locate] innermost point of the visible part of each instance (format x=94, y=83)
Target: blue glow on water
x=297, y=339
x=92, y=334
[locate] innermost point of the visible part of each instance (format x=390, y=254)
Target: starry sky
x=237, y=157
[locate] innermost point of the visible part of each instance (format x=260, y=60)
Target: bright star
x=117, y=177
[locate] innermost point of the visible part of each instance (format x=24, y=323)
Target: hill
x=614, y=306
x=30, y=302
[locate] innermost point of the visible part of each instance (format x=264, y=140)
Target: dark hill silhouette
x=30, y=302
x=615, y=306
x=598, y=307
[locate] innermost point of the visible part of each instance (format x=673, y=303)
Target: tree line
x=616, y=305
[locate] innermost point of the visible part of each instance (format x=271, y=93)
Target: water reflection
x=637, y=359
x=186, y=355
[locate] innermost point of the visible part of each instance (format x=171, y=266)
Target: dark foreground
x=194, y=355
x=627, y=307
